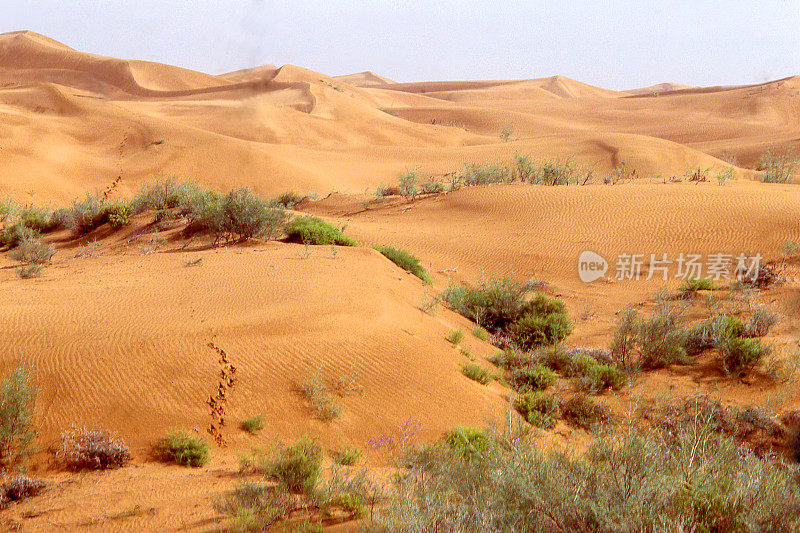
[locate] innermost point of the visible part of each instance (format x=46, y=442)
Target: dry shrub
x=18, y=488
x=84, y=449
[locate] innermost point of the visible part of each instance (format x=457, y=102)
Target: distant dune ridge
x=74, y=121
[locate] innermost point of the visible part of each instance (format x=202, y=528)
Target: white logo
x=591, y=266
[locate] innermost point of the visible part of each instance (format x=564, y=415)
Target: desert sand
x=118, y=338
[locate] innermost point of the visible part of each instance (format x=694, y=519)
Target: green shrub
x=255, y=506
x=539, y=409
x=493, y=305
x=36, y=218
x=297, y=466
x=725, y=175
x=476, y=373
x=584, y=412
x=777, y=168
x=480, y=333
x=608, y=377
x=32, y=250
x=17, y=398
x=346, y=455
x=544, y=321
x=183, y=449
x=432, y=186
x=689, y=286
x=738, y=354
x=661, y=339
x=312, y=230
x=167, y=194
x=466, y=442
x=406, y=261
x=532, y=377
x=455, y=336
x=474, y=174
x=288, y=200
x=407, y=183
x=87, y=214
x=119, y=214
x=554, y=358
x=253, y=425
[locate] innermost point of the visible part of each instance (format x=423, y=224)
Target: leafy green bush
x=539, y=409
x=607, y=377
x=544, y=321
x=406, y=261
x=738, y=354
x=493, y=304
x=253, y=425
x=661, y=339
x=296, y=466
x=312, y=230
x=36, y=218
x=474, y=174
x=466, y=442
x=432, y=186
x=554, y=358
x=17, y=397
x=584, y=412
x=532, y=377
x=119, y=214
x=407, y=183
x=183, y=449
x=689, y=286
x=476, y=373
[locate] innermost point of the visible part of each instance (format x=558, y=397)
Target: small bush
x=532, y=377
x=406, y=261
x=297, y=467
x=725, y=175
x=288, y=200
x=166, y=194
x=661, y=339
x=759, y=322
x=255, y=506
x=538, y=409
x=699, y=337
x=480, y=333
x=182, y=449
x=493, y=305
x=36, y=218
x=455, y=336
x=33, y=270
x=119, y=214
x=476, y=373
x=407, y=183
x=584, y=412
x=18, y=488
x=346, y=455
x=432, y=186
x=689, y=286
x=474, y=174
x=87, y=214
x=82, y=449
x=777, y=168
x=312, y=230
x=608, y=377
x=317, y=393
x=17, y=397
x=253, y=425
x=544, y=321
x=387, y=190
x=32, y=250
x=466, y=442
x=738, y=354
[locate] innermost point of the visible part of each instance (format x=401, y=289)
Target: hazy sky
x=613, y=43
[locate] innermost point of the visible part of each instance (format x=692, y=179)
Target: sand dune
x=119, y=338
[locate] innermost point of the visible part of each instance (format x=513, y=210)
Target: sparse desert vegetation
x=183, y=449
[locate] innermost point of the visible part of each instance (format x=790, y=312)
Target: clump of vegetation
x=83, y=449
x=316, y=392
x=406, y=261
x=346, y=455
x=689, y=479
x=455, y=336
x=791, y=248
x=467, y=443
x=691, y=285
x=484, y=174
x=253, y=425
x=431, y=186
x=17, y=396
x=777, y=168
x=33, y=270
x=725, y=175
x=312, y=230
x=119, y=214
x=652, y=342
x=236, y=216
x=180, y=448
x=500, y=306
x=738, y=354
x=532, y=377
x=407, y=184
x=544, y=321
x=31, y=250
x=539, y=409
x=288, y=200
x=759, y=322
x=480, y=333
x=476, y=373
x=297, y=467
x=585, y=412
x=19, y=487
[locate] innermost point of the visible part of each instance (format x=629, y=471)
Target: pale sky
x=618, y=44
